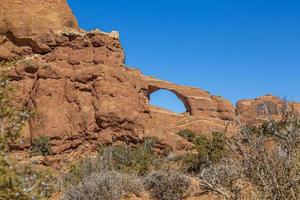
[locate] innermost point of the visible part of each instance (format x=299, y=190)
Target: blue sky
x=233, y=48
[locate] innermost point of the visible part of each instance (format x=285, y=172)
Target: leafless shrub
x=267, y=157
x=107, y=185
x=167, y=185
x=223, y=178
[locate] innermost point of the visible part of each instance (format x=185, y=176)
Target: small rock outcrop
x=256, y=111
x=82, y=93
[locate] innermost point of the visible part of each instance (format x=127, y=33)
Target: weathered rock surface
x=28, y=26
x=255, y=111
x=83, y=95
x=81, y=92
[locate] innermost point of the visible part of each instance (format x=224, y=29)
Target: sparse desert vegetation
x=77, y=123
x=41, y=146
x=260, y=162
x=167, y=185
x=104, y=185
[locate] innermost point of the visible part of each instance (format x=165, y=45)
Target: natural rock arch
x=152, y=89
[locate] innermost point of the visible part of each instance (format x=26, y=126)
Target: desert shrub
x=26, y=183
x=167, y=185
x=266, y=158
x=273, y=169
x=223, y=178
x=107, y=185
x=191, y=163
x=136, y=160
x=187, y=134
x=38, y=184
x=17, y=182
x=132, y=160
x=41, y=146
x=12, y=119
x=172, y=161
x=210, y=150
x=81, y=169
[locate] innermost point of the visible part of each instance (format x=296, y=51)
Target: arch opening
x=167, y=100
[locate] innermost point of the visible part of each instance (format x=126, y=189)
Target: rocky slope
x=83, y=95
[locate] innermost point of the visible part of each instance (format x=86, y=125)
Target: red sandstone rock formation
x=28, y=26
x=255, y=111
x=82, y=93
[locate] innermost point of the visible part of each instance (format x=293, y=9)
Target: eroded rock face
x=256, y=111
x=26, y=18
x=78, y=90
x=27, y=26
x=83, y=95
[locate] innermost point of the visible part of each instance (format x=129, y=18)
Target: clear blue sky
x=233, y=48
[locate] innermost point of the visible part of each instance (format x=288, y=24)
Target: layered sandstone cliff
x=84, y=96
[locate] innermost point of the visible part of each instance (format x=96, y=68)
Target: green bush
x=136, y=160
x=167, y=185
x=217, y=147
x=210, y=150
x=191, y=163
x=187, y=134
x=41, y=146
x=122, y=158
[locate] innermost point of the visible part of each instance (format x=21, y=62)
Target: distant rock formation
x=83, y=95
x=254, y=111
